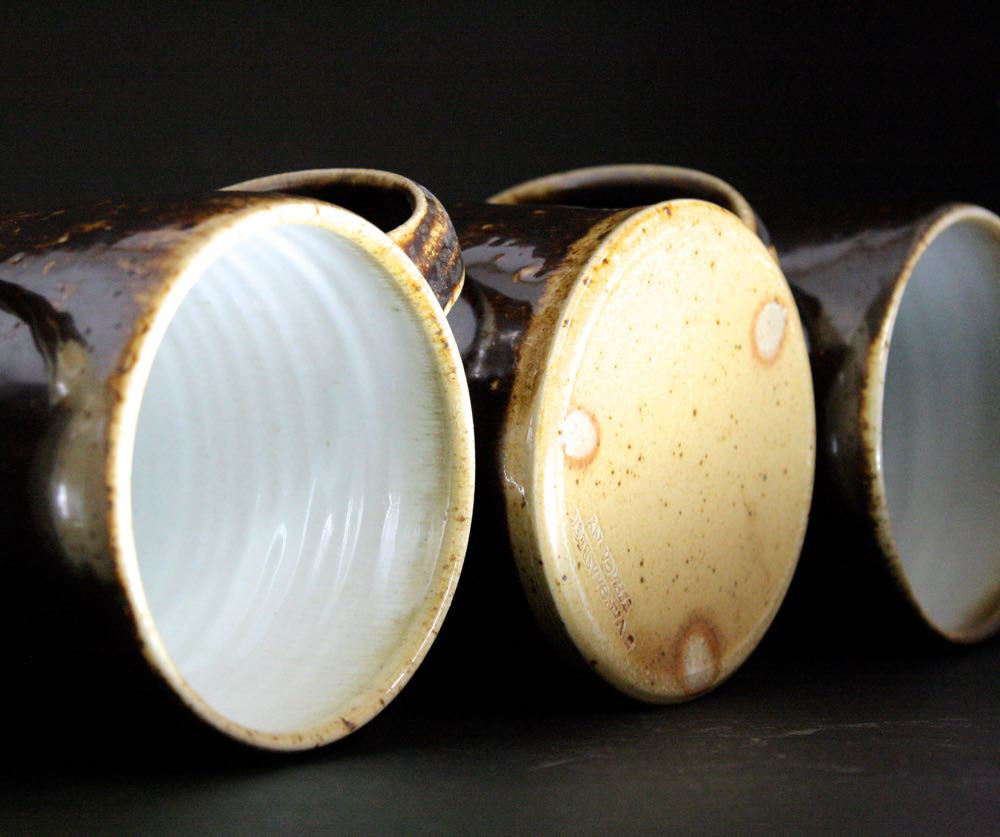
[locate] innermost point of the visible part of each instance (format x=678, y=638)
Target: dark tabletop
x=900, y=743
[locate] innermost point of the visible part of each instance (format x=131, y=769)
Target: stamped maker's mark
x=600, y=563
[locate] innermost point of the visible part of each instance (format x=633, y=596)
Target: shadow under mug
x=903, y=319
x=240, y=422
x=642, y=397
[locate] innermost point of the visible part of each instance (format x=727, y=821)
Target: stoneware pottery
x=405, y=210
x=904, y=324
x=241, y=420
x=641, y=384
x=632, y=185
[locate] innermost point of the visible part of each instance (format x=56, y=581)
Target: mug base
x=671, y=446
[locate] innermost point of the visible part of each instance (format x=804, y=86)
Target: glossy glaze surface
x=632, y=185
x=89, y=298
x=587, y=348
x=407, y=212
x=906, y=479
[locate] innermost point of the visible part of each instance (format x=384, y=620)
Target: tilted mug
x=240, y=421
x=903, y=317
x=642, y=395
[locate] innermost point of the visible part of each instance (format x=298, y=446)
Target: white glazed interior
x=941, y=427
x=291, y=481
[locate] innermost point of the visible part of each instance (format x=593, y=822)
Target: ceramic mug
x=903, y=320
x=641, y=388
x=407, y=212
x=632, y=185
x=241, y=420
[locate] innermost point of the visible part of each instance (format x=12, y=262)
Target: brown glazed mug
x=239, y=423
x=903, y=319
x=642, y=397
x=632, y=185
x=407, y=212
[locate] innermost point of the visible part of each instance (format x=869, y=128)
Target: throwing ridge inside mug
x=244, y=417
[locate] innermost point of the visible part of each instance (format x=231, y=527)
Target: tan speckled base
x=668, y=451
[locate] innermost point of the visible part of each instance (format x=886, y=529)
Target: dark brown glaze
x=97, y=269
x=633, y=185
x=843, y=290
x=49, y=327
x=511, y=256
x=82, y=284
x=407, y=212
x=844, y=282
x=520, y=263
x=77, y=289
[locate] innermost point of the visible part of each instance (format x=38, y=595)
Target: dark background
x=799, y=108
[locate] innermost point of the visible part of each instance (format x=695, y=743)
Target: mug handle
x=409, y=214
x=626, y=186
x=65, y=470
x=62, y=347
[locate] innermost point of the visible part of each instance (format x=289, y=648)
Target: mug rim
x=191, y=258
x=312, y=178
x=871, y=412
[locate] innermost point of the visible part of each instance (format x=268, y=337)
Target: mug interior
x=292, y=475
x=941, y=427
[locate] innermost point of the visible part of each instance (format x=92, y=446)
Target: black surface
x=896, y=745
x=798, y=108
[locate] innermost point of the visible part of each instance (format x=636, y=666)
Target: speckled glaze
x=409, y=214
x=81, y=290
x=649, y=422
x=849, y=284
